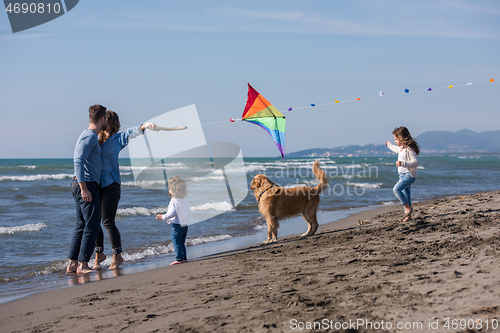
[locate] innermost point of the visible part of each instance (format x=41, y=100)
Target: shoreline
x=443, y=264
x=290, y=227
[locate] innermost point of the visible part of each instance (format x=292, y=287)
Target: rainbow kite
x=260, y=112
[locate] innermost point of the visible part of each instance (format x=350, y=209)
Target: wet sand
x=375, y=270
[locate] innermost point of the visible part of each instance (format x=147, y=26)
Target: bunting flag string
x=261, y=112
x=381, y=94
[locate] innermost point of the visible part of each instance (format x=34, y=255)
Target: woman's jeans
x=402, y=188
x=179, y=241
x=110, y=195
x=88, y=218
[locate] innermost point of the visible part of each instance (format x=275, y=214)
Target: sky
x=144, y=58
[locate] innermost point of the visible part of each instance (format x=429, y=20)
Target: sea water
x=37, y=211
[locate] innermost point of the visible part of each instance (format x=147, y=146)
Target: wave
x=364, y=185
x=237, y=169
x=310, y=183
x=145, y=183
x=289, y=186
x=22, y=228
x=143, y=211
x=260, y=226
x=158, y=249
x=162, y=184
x=165, y=249
x=253, y=168
x=249, y=168
x=40, y=270
x=134, y=211
x=198, y=179
x=27, y=166
x=144, y=253
x=344, y=166
x=128, y=256
x=37, y=177
x=166, y=166
x=206, y=239
x=218, y=206
x=19, y=167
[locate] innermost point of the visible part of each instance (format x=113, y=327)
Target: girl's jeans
x=402, y=188
x=179, y=241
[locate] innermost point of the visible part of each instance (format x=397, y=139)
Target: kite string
x=382, y=94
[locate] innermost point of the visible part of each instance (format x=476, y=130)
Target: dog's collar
x=258, y=200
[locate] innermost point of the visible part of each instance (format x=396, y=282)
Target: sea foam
x=36, y=177
x=134, y=211
x=364, y=185
x=22, y=228
x=218, y=206
x=140, y=211
x=158, y=249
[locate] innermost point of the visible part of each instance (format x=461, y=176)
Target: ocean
x=37, y=209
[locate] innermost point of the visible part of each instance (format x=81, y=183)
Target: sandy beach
x=371, y=272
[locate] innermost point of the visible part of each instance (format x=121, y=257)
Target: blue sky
x=144, y=58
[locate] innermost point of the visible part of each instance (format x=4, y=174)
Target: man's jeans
x=179, y=241
x=87, y=223
x=402, y=188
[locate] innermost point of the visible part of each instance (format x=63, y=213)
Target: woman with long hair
x=112, y=142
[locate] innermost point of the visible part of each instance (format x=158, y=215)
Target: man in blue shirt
x=85, y=190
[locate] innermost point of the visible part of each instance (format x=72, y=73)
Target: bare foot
x=83, y=268
x=117, y=261
x=99, y=257
x=72, y=266
x=408, y=211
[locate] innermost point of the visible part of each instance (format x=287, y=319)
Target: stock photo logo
x=25, y=14
x=214, y=172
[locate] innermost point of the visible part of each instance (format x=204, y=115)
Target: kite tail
x=321, y=177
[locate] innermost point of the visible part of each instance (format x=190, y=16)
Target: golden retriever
x=277, y=203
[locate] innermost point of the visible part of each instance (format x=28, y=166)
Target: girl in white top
x=407, y=149
x=177, y=216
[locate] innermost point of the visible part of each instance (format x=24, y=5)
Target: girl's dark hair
x=114, y=122
x=404, y=135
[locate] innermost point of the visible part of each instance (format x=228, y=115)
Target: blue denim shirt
x=110, y=150
x=87, y=157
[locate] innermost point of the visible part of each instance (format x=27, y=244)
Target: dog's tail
x=321, y=177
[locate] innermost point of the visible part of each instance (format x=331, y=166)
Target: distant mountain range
x=431, y=143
